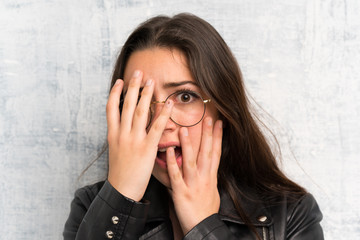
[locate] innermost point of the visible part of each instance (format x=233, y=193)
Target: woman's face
x=170, y=73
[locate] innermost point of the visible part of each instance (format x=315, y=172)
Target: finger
x=216, y=147
x=189, y=160
x=157, y=128
x=130, y=101
x=142, y=110
x=204, y=159
x=112, y=107
x=174, y=172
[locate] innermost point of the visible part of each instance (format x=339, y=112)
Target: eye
x=186, y=97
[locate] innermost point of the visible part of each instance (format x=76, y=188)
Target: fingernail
x=148, y=82
x=186, y=132
x=117, y=82
x=209, y=122
x=169, y=103
x=170, y=151
x=220, y=124
x=136, y=74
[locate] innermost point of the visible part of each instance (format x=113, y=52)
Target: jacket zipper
x=264, y=233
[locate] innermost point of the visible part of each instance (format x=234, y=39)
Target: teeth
x=164, y=149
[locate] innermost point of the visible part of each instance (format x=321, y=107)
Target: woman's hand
x=132, y=150
x=194, y=193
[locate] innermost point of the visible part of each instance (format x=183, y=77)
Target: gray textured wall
x=300, y=59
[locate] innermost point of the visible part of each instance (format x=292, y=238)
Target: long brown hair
x=247, y=159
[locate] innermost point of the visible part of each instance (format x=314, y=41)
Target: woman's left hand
x=194, y=190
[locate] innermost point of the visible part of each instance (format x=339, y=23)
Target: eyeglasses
x=188, y=110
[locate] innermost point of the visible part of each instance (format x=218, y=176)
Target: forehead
x=159, y=64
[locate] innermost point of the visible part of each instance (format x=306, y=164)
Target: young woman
x=187, y=159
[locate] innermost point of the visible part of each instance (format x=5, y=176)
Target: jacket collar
x=252, y=205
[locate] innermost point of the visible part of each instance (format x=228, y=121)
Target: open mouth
x=161, y=156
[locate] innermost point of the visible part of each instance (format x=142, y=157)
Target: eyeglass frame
x=198, y=94
x=155, y=102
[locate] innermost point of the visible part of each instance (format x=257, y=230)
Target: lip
x=161, y=163
x=168, y=144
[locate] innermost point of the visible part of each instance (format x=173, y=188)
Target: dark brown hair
x=247, y=159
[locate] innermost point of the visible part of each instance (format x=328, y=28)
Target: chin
x=164, y=180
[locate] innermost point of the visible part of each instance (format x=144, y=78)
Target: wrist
x=126, y=189
x=187, y=226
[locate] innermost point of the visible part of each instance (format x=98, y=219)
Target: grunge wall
x=300, y=60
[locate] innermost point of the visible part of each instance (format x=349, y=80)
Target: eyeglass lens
x=188, y=110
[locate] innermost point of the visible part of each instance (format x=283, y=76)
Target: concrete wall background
x=300, y=60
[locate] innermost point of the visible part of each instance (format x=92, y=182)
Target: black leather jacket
x=100, y=212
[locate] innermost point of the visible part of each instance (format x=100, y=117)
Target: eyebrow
x=177, y=84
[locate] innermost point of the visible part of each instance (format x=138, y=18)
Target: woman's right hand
x=133, y=149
